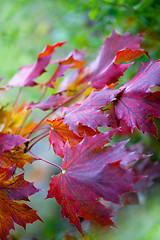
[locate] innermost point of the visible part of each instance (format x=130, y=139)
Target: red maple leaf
x=136, y=104
x=90, y=174
x=28, y=74
x=13, y=190
x=105, y=70
x=89, y=113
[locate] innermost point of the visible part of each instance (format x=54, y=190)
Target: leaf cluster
x=97, y=176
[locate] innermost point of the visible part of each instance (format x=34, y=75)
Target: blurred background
x=26, y=27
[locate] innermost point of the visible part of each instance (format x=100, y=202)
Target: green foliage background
x=26, y=26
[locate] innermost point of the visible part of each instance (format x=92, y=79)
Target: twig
x=53, y=164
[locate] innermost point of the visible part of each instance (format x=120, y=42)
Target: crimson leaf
x=136, y=104
x=13, y=190
x=104, y=70
x=88, y=175
x=28, y=74
x=89, y=113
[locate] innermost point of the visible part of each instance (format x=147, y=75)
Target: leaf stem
x=39, y=129
x=38, y=140
x=38, y=158
x=33, y=130
x=40, y=135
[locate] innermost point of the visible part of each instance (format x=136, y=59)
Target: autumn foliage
x=88, y=97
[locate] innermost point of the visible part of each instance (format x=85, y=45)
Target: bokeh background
x=26, y=27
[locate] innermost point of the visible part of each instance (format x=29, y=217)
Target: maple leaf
x=15, y=156
x=60, y=134
x=13, y=190
x=72, y=61
x=89, y=113
x=105, y=70
x=88, y=175
x=136, y=104
x=51, y=102
x=7, y=141
x=28, y=73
